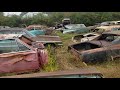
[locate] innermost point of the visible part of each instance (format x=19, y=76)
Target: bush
x=52, y=65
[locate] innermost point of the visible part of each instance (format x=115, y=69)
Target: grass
x=66, y=61
x=52, y=65
x=61, y=59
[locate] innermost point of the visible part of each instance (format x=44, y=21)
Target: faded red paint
x=23, y=61
x=18, y=62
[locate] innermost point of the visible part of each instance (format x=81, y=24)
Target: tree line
x=87, y=18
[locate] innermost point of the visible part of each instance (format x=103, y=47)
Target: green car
x=75, y=28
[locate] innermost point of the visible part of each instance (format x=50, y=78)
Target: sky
x=10, y=13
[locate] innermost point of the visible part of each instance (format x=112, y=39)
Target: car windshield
x=11, y=45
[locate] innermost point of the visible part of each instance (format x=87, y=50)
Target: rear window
x=11, y=45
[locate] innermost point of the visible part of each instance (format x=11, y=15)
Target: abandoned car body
x=45, y=39
x=104, y=47
x=109, y=23
x=16, y=56
x=102, y=29
x=54, y=41
x=81, y=73
x=84, y=37
x=75, y=28
x=39, y=29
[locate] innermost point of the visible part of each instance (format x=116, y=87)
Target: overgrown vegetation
x=66, y=61
x=87, y=18
x=52, y=65
x=61, y=59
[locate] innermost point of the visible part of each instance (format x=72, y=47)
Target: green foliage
x=87, y=18
x=52, y=65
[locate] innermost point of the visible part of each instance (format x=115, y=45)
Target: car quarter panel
x=19, y=61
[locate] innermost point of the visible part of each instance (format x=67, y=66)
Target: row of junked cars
x=101, y=44
x=24, y=50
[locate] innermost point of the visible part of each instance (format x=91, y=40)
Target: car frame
x=98, y=50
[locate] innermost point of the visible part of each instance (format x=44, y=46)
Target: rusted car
x=53, y=41
x=108, y=23
x=85, y=37
x=75, y=28
x=17, y=57
x=79, y=73
x=104, y=47
x=23, y=33
x=39, y=29
x=102, y=29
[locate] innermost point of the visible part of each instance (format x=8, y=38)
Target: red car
x=17, y=56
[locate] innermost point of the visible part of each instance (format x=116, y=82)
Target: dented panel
x=20, y=57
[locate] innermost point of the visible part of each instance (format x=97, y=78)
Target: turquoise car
x=75, y=28
x=37, y=32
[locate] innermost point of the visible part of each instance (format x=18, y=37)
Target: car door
x=17, y=57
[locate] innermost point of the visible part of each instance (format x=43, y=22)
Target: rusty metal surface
x=97, y=54
x=19, y=62
x=85, y=37
x=108, y=28
x=81, y=71
x=97, y=50
x=22, y=61
x=36, y=26
x=113, y=32
x=46, y=38
x=101, y=43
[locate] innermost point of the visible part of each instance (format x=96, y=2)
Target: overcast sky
x=10, y=13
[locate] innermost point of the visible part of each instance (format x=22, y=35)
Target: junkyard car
x=104, y=47
x=75, y=28
x=102, y=29
x=109, y=23
x=45, y=39
x=84, y=37
x=81, y=73
x=39, y=29
x=16, y=56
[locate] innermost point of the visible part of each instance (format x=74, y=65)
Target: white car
x=84, y=37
